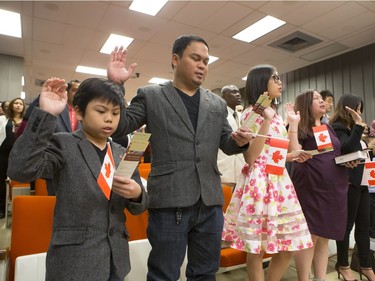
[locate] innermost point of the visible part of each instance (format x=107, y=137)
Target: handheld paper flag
x=322, y=138
x=107, y=172
x=368, y=177
x=277, y=156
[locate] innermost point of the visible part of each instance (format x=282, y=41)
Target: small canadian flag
x=107, y=172
x=322, y=138
x=277, y=156
x=368, y=177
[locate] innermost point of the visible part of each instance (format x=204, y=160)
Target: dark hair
x=257, y=83
x=10, y=112
x=97, y=88
x=326, y=93
x=183, y=41
x=3, y=105
x=303, y=104
x=70, y=84
x=341, y=114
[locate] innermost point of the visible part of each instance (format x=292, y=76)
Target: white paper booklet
x=358, y=155
x=133, y=154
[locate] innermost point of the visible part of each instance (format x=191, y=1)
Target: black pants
x=358, y=213
x=3, y=177
x=372, y=215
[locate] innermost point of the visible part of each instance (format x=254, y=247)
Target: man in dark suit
x=188, y=125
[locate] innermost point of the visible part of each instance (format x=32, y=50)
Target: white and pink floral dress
x=264, y=213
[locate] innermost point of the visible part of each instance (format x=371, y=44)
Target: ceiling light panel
x=115, y=40
x=156, y=80
x=92, y=70
x=258, y=29
x=148, y=7
x=10, y=23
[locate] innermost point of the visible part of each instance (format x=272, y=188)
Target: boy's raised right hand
x=53, y=97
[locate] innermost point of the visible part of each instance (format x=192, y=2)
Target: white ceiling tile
x=59, y=34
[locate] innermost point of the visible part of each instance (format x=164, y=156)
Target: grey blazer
x=87, y=229
x=184, y=161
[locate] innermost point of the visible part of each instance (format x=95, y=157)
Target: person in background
x=230, y=165
x=264, y=215
x=4, y=107
x=321, y=188
x=188, y=125
x=89, y=239
x=372, y=129
x=1, y=109
x=349, y=127
x=329, y=100
x=9, y=124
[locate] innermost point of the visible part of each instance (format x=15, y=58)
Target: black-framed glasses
x=276, y=78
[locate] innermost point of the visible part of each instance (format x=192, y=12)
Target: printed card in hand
x=261, y=104
x=133, y=155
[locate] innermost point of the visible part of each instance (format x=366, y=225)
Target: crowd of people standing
x=287, y=214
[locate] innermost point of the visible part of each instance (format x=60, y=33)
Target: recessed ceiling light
x=156, y=80
x=115, y=40
x=212, y=59
x=258, y=29
x=147, y=6
x=92, y=70
x=10, y=23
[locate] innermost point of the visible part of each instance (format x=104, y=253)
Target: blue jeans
x=200, y=230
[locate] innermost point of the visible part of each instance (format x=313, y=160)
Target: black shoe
x=2, y=214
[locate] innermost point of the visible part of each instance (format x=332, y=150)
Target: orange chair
x=41, y=187
x=227, y=192
x=230, y=258
x=144, y=169
x=31, y=227
x=136, y=225
x=13, y=189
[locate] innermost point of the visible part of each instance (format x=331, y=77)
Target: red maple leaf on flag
x=107, y=168
x=372, y=173
x=276, y=156
x=322, y=138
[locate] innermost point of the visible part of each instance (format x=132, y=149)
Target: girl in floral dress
x=264, y=215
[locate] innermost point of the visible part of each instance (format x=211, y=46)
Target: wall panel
x=353, y=72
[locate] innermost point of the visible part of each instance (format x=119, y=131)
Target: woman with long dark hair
x=321, y=187
x=264, y=215
x=9, y=124
x=348, y=125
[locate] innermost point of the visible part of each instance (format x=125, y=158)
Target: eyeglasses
x=276, y=78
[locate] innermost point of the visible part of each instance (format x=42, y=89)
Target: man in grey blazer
x=188, y=125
